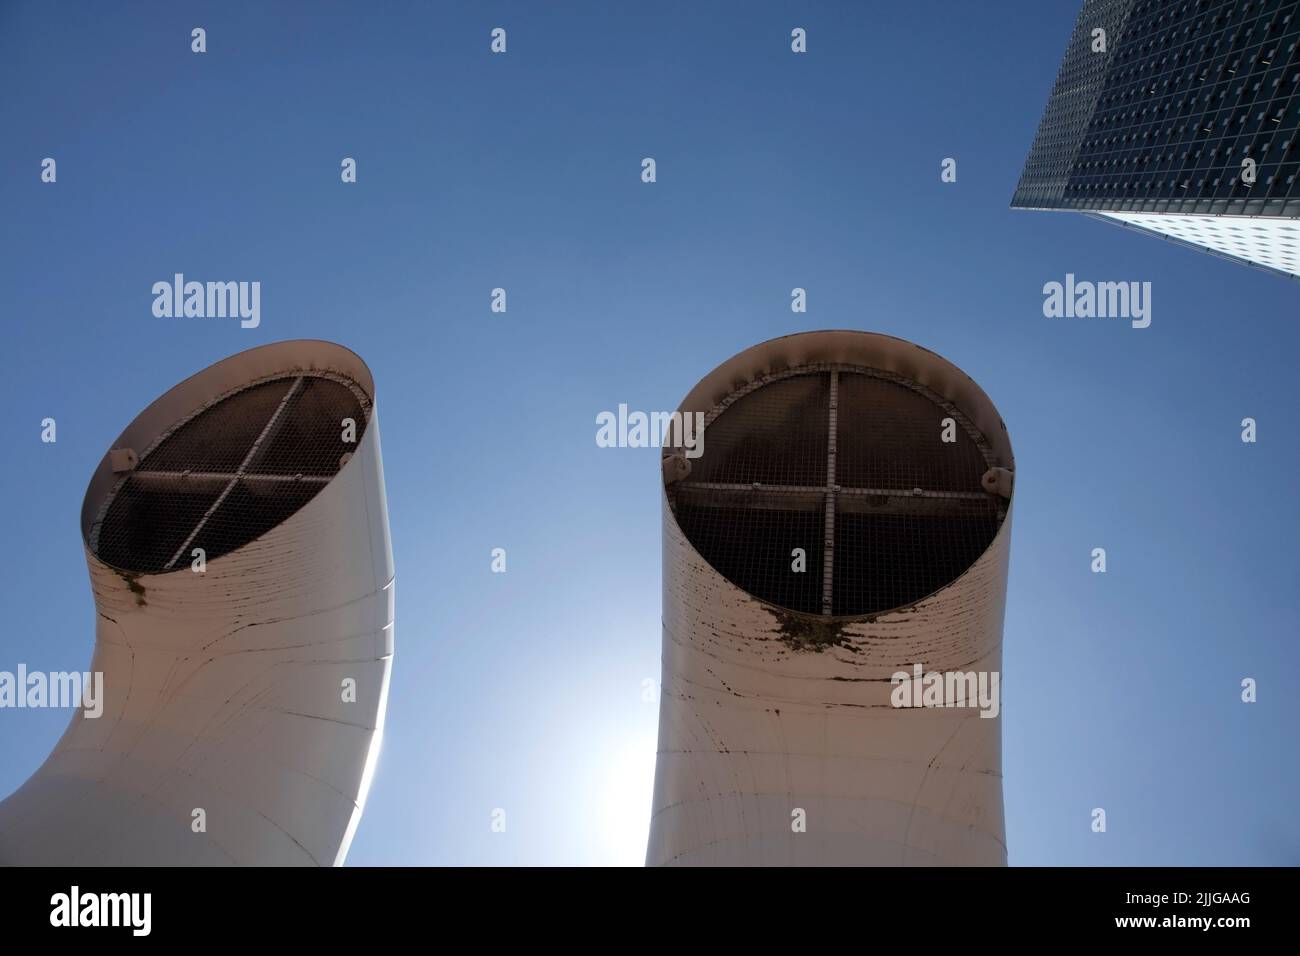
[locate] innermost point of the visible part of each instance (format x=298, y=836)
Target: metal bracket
x=676, y=467
x=998, y=481
x=122, y=459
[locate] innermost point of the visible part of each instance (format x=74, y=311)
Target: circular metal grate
x=230, y=472
x=850, y=465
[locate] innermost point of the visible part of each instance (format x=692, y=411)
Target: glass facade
x=1191, y=109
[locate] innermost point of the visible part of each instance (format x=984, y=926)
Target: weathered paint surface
x=223, y=691
x=764, y=712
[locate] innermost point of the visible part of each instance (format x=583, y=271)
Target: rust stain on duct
x=136, y=588
x=803, y=632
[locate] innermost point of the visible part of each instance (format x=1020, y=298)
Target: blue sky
x=524, y=690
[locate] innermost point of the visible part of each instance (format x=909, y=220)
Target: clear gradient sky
x=525, y=690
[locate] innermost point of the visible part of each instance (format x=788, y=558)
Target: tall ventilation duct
x=778, y=740
x=244, y=703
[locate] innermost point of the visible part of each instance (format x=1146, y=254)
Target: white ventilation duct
x=778, y=740
x=243, y=703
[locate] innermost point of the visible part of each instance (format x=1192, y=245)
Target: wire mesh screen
x=838, y=490
x=749, y=538
x=231, y=472
x=774, y=435
x=890, y=436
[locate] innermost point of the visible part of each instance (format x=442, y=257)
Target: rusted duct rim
x=778, y=357
x=168, y=412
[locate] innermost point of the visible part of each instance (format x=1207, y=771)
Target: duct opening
x=229, y=472
x=850, y=465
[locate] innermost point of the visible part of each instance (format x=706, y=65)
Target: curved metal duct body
x=780, y=742
x=239, y=555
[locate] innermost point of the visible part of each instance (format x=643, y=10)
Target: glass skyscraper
x=1179, y=118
